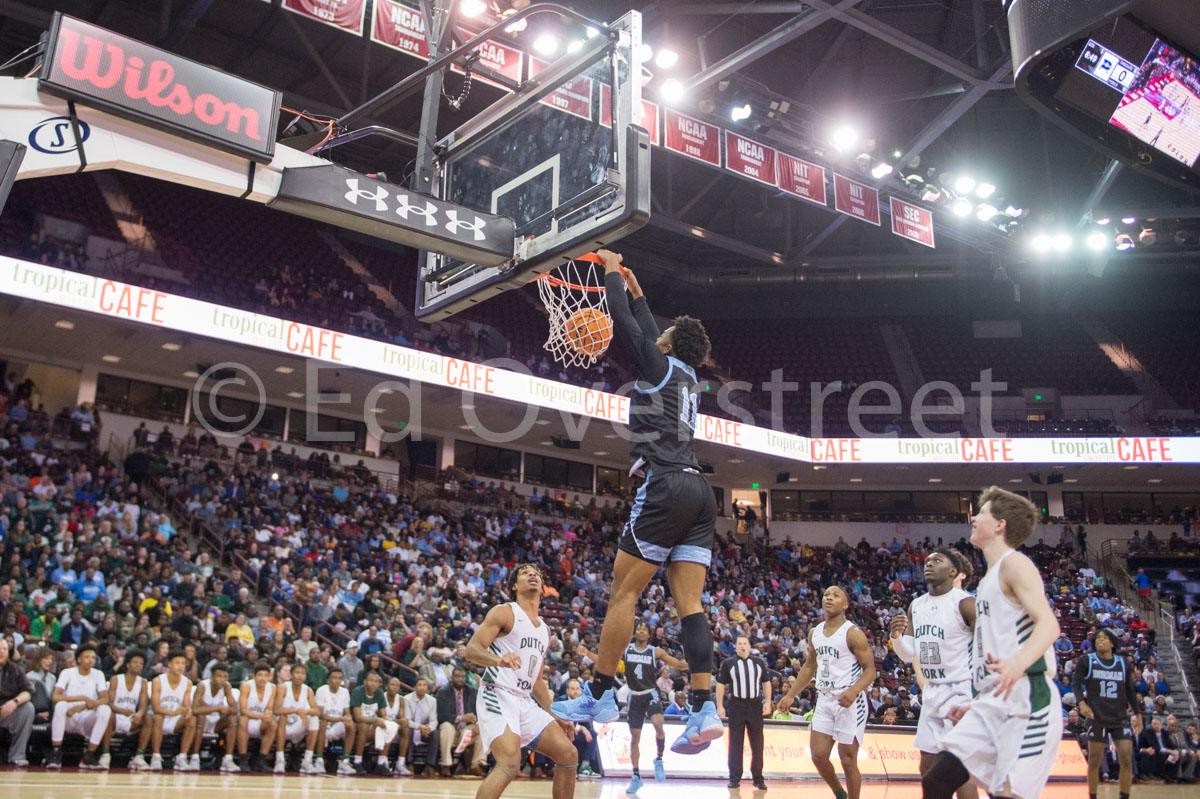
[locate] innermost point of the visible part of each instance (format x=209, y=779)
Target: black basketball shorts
x=643, y=706
x=1119, y=731
x=674, y=518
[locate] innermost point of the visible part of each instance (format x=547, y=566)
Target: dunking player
x=514, y=702
x=641, y=662
x=674, y=518
x=938, y=633
x=1103, y=684
x=1007, y=739
x=844, y=667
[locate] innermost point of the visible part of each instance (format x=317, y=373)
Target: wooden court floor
x=120, y=784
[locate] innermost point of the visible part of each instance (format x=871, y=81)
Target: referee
x=745, y=678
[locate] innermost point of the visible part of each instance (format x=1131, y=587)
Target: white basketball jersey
x=333, y=704
x=173, y=698
x=943, y=638
x=1001, y=628
x=293, y=702
x=87, y=685
x=210, y=699
x=259, y=704
x=837, y=667
x=393, y=708
x=529, y=642
x=127, y=698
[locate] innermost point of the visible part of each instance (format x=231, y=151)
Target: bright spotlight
x=546, y=44
x=1097, y=240
x=645, y=52
x=1014, y=211
x=1128, y=220
x=666, y=59
x=985, y=212
x=844, y=138
x=881, y=171
x=1103, y=221
x=472, y=8
x=740, y=112
x=964, y=184
x=671, y=91
x=517, y=26
x=1062, y=242
x=1042, y=242
x=962, y=207
x=1124, y=242
x=575, y=46
x=984, y=190
x=592, y=33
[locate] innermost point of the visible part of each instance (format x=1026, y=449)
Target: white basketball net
x=572, y=287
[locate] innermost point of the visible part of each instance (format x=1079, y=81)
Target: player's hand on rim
x=610, y=259
x=1008, y=670
x=509, y=660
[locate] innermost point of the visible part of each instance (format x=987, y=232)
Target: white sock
x=383, y=760
x=279, y=757
x=399, y=761
x=308, y=755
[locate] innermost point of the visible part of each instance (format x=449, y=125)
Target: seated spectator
x=16, y=706
x=457, y=725
x=420, y=711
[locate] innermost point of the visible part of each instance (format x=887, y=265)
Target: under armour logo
x=455, y=224
x=429, y=212
x=355, y=192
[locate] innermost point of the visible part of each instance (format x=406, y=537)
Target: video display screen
x=1162, y=105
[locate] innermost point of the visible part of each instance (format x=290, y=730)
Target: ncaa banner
x=749, y=158
x=399, y=27
x=347, y=15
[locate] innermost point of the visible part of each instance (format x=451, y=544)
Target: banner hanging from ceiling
x=347, y=15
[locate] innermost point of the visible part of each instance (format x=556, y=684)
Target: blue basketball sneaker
x=660, y=775
x=702, y=727
x=634, y=784
x=585, y=707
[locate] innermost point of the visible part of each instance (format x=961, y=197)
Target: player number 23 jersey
x=942, y=637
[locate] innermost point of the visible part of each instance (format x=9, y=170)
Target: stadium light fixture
x=472, y=8
x=592, y=33
x=671, y=91
x=1124, y=242
x=984, y=190
x=517, y=26
x=740, y=112
x=1128, y=220
x=575, y=46
x=964, y=184
x=546, y=44
x=645, y=52
x=881, y=170
x=962, y=207
x=665, y=59
x=1097, y=240
x=1103, y=221
x=1062, y=242
x=1014, y=211
x=985, y=212
x=1042, y=243
x=844, y=138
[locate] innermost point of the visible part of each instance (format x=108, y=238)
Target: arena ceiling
x=921, y=77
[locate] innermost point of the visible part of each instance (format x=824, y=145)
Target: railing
x=1168, y=618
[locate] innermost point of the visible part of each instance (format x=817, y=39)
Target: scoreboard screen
x=1106, y=66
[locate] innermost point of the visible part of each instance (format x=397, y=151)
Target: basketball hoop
x=580, y=326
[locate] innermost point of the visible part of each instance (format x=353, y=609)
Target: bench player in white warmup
x=256, y=719
x=840, y=660
x=1007, y=739
x=81, y=706
x=296, y=711
x=513, y=705
x=215, y=708
x=937, y=635
x=334, y=722
x=129, y=700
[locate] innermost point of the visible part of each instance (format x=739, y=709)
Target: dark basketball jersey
x=662, y=422
x=639, y=669
x=1106, y=687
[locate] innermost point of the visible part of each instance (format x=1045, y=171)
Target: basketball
x=589, y=331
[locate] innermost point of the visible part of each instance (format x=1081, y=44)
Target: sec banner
x=855, y=199
x=347, y=15
x=912, y=222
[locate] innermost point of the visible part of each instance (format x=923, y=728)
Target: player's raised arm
x=498, y=622
x=1021, y=578
x=669, y=659
x=807, y=672
x=651, y=363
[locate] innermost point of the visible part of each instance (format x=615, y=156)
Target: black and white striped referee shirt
x=745, y=676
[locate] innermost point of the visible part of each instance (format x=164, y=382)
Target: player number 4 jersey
x=529, y=642
x=639, y=669
x=943, y=640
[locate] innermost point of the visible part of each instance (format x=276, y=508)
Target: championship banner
x=399, y=27
x=574, y=96
x=749, y=158
x=157, y=88
x=855, y=199
x=693, y=138
x=649, y=113
x=502, y=60
x=347, y=15
x=118, y=300
x=787, y=755
x=912, y=222
x=801, y=178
